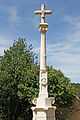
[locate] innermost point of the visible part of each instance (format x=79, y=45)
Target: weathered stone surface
x=44, y=109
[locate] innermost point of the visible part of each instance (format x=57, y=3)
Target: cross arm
x=48, y=12
x=38, y=12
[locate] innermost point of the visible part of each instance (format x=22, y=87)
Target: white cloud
x=4, y=44
x=66, y=55
x=69, y=63
x=35, y=21
x=1, y=50
x=75, y=21
x=12, y=13
x=36, y=50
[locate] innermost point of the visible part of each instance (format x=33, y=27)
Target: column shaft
x=43, y=52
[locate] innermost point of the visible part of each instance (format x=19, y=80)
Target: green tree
x=19, y=83
x=18, y=73
x=77, y=88
x=60, y=87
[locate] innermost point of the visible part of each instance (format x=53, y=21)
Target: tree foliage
x=60, y=87
x=77, y=88
x=19, y=82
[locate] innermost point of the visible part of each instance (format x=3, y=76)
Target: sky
x=17, y=20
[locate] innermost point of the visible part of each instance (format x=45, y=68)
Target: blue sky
x=17, y=19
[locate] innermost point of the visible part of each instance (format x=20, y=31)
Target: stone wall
x=69, y=113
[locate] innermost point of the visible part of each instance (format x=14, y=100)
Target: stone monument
x=44, y=109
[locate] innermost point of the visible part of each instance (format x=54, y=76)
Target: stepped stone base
x=44, y=112
x=47, y=113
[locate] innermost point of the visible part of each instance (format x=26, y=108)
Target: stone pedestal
x=44, y=109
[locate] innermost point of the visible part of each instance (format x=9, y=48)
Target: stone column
x=43, y=52
x=44, y=109
x=43, y=72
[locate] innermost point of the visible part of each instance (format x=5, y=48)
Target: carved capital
x=43, y=27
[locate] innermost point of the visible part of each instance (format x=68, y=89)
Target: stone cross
x=43, y=12
x=43, y=109
x=43, y=29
